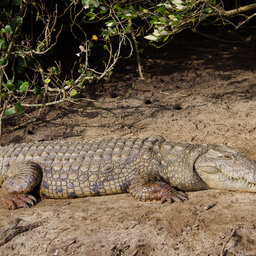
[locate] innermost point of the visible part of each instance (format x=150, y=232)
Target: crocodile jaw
x=224, y=168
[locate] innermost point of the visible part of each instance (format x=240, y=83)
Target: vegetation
x=30, y=31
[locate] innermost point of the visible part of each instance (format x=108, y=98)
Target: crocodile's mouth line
x=240, y=180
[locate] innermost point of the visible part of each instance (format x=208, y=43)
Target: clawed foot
x=14, y=201
x=171, y=195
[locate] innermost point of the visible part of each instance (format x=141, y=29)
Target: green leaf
x=73, y=92
x=20, y=53
x=103, y=9
x=91, y=15
x=47, y=81
x=54, y=69
x=14, y=24
x=18, y=19
x=88, y=3
x=9, y=85
x=89, y=73
x=165, y=38
x=2, y=61
x=3, y=44
x=95, y=3
x=105, y=34
x=8, y=29
x=36, y=90
x=10, y=111
x=38, y=48
x=68, y=83
x=84, y=2
x=151, y=37
x=20, y=66
x=24, y=86
x=2, y=95
x=110, y=23
x=82, y=84
x=19, y=107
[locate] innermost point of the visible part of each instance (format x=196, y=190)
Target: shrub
x=30, y=30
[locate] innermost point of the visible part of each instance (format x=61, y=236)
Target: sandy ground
x=196, y=92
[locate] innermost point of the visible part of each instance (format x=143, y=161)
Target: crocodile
x=148, y=168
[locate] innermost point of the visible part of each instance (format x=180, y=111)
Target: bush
x=30, y=30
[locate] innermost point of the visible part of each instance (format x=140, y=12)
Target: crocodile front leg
x=149, y=187
x=22, y=178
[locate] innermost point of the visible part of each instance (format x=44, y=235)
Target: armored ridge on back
x=149, y=168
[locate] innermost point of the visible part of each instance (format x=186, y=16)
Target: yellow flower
x=94, y=37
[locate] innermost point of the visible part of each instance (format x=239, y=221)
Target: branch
x=44, y=104
x=239, y=10
x=246, y=20
x=136, y=50
x=7, y=234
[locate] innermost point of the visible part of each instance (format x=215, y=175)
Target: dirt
x=196, y=91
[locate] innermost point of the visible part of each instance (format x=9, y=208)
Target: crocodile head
x=225, y=168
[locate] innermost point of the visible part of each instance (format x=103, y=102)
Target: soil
x=195, y=91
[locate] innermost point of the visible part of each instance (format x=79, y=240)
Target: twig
x=30, y=121
x=246, y=20
x=136, y=51
x=1, y=117
x=7, y=234
x=44, y=104
x=239, y=10
x=223, y=251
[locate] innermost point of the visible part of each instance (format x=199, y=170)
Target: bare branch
x=45, y=104
x=238, y=10
x=246, y=20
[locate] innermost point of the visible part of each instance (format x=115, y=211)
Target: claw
x=14, y=201
x=171, y=195
x=29, y=199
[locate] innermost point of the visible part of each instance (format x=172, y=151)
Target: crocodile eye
x=224, y=157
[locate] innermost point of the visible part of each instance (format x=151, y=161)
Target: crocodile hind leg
x=150, y=187
x=22, y=178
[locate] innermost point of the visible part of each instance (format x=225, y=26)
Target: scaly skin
x=148, y=168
